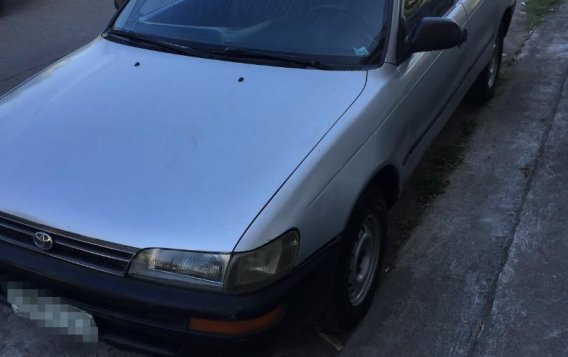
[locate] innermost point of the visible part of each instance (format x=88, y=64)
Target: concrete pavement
x=486, y=272
x=529, y=315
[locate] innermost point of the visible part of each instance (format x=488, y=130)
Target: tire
x=484, y=87
x=361, y=253
x=1, y=6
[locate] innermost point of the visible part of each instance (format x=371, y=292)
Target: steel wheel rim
x=364, y=260
x=493, y=66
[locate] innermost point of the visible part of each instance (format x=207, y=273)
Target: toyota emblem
x=43, y=241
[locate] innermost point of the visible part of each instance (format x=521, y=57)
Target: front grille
x=90, y=253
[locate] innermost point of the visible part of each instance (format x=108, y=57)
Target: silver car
x=222, y=168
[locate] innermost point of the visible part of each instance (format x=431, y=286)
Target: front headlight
x=200, y=270
x=241, y=272
x=258, y=268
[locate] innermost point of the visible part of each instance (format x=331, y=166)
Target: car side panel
x=373, y=133
x=319, y=196
x=430, y=80
x=484, y=19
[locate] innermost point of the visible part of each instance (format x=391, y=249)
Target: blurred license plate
x=51, y=312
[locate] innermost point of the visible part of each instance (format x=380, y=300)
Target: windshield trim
x=376, y=59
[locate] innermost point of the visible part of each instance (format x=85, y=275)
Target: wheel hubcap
x=364, y=260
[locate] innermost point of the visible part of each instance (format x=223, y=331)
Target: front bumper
x=155, y=317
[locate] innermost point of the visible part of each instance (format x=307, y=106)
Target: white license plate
x=51, y=312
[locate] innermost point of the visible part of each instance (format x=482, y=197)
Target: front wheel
x=360, y=258
x=484, y=87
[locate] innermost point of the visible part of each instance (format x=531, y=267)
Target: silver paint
x=177, y=153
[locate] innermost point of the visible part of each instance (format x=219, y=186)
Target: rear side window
x=414, y=10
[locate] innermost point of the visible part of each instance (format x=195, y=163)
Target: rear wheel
x=484, y=87
x=360, y=258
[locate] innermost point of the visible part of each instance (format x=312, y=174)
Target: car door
x=484, y=18
x=430, y=78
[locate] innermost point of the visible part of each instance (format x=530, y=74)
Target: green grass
x=537, y=9
x=432, y=176
x=438, y=168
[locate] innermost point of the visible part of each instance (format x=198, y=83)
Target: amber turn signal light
x=240, y=327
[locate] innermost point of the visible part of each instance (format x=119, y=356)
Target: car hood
x=149, y=149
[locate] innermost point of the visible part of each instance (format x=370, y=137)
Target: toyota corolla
x=217, y=168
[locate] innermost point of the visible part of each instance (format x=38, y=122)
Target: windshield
x=335, y=32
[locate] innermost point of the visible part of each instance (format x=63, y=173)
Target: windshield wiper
x=278, y=57
x=170, y=47
x=233, y=52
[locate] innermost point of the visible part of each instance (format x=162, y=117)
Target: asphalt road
x=35, y=33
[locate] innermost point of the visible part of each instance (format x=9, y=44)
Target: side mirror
x=435, y=34
x=118, y=3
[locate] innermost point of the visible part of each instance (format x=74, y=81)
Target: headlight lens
x=201, y=270
x=256, y=269
x=243, y=272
